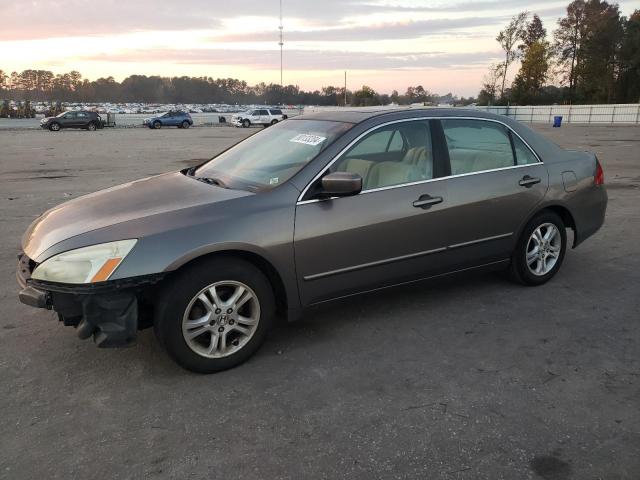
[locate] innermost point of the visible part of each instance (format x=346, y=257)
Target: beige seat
x=420, y=158
x=384, y=174
x=359, y=166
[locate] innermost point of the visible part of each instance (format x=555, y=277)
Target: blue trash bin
x=557, y=121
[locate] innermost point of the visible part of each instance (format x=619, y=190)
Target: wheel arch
x=562, y=211
x=257, y=260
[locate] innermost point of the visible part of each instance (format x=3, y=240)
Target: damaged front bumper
x=109, y=311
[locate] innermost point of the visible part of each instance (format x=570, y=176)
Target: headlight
x=84, y=265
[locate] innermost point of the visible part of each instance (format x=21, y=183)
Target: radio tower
x=281, y=43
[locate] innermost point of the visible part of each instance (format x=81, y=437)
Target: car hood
x=130, y=201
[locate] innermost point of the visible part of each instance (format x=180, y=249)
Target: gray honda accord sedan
x=315, y=208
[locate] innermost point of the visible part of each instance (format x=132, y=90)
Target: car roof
x=352, y=115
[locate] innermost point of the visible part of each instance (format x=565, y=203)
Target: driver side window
x=392, y=155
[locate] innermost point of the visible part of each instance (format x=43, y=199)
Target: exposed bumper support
x=108, y=311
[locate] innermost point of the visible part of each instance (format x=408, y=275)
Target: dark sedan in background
x=74, y=119
x=313, y=209
x=169, y=119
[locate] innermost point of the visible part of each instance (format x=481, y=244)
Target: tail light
x=599, y=176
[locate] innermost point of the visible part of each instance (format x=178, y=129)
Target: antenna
x=281, y=43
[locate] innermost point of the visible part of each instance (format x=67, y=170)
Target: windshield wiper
x=212, y=181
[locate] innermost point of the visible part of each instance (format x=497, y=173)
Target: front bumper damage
x=109, y=311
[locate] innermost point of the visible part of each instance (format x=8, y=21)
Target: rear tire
x=274, y=121
x=186, y=124
x=92, y=127
x=194, y=346
x=540, y=250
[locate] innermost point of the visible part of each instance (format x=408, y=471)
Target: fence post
x=531, y=114
x=590, y=110
x=613, y=113
x=550, y=112
x=569, y=116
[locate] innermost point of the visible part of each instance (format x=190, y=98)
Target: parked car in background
x=169, y=119
x=74, y=119
x=262, y=116
x=317, y=208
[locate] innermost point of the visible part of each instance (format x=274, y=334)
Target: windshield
x=274, y=155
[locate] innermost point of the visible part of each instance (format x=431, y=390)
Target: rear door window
x=524, y=155
x=477, y=145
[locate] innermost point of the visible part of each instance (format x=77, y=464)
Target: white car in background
x=258, y=116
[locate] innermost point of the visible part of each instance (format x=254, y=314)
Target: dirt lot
x=466, y=379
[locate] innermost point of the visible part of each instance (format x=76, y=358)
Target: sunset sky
x=445, y=46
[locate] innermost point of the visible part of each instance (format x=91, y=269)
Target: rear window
x=276, y=112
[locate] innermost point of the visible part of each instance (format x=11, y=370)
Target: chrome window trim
x=400, y=185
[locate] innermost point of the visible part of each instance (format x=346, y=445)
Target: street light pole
x=345, y=88
x=281, y=43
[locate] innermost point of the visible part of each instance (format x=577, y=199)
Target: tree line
x=43, y=85
x=593, y=56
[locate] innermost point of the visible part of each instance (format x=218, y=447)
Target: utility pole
x=345, y=88
x=281, y=43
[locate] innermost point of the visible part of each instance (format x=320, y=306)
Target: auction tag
x=308, y=139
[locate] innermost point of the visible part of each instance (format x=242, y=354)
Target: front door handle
x=528, y=181
x=426, y=201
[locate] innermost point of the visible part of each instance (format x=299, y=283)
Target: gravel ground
x=472, y=378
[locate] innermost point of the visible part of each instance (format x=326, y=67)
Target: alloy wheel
x=220, y=319
x=543, y=249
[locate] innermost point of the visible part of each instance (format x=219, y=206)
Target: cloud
x=375, y=32
x=305, y=59
x=24, y=20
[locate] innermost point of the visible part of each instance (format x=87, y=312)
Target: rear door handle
x=426, y=201
x=528, y=181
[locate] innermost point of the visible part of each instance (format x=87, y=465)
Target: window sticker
x=274, y=180
x=308, y=139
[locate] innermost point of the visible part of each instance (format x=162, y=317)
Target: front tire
x=54, y=127
x=540, y=250
x=215, y=314
x=157, y=125
x=246, y=123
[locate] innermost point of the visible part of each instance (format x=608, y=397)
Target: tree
x=489, y=91
x=568, y=41
x=532, y=76
x=629, y=82
x=535, y=32
x=536, y=54
x=365, y=97
x=599, y=65
x=3, y=80
x=508, y=38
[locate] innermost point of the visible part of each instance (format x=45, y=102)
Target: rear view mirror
x=341, y=184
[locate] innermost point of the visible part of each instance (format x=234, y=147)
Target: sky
x=445, y=46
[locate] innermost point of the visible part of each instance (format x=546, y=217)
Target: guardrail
x=628, y=113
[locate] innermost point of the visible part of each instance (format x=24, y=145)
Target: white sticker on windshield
x=274, y=180
x=308, y=139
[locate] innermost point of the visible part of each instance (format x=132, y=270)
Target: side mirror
x=341, y=184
